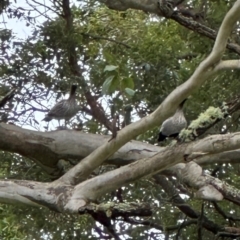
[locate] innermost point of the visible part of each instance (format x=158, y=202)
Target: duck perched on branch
x=172, y=126
x=65, y=109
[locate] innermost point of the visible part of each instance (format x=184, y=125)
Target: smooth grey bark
x=50, y=195
x=47, y=148
x=123, y=5
x=62, y=197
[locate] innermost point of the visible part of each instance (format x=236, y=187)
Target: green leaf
x=110, y=68
x=129, y=92
x=127, y=83
x=107, y=84
x=114, y=85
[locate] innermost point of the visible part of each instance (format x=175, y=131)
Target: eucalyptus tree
x=106, y=176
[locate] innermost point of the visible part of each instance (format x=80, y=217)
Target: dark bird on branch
x=65, y=109
x=172, y=126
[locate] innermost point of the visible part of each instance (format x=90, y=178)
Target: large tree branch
x=208, y=187
x=65, y=198
x=123, y=5
x=206, y=69
x=48, y=148
x=51, y=147
x=34, y=194
x=95, y=187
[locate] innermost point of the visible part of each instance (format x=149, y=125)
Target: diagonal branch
x=223, y=214
x=95, y=187
x=183, y=206
x=201, y=29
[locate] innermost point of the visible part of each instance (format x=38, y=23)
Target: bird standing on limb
x=172, y=126
x=65, y=109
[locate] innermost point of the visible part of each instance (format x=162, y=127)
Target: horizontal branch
x=220, y=158
x=64, y=198
x=123, y=5
x=48, y=148
x=228, y=64
x=115, y=210
x=32, y=194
